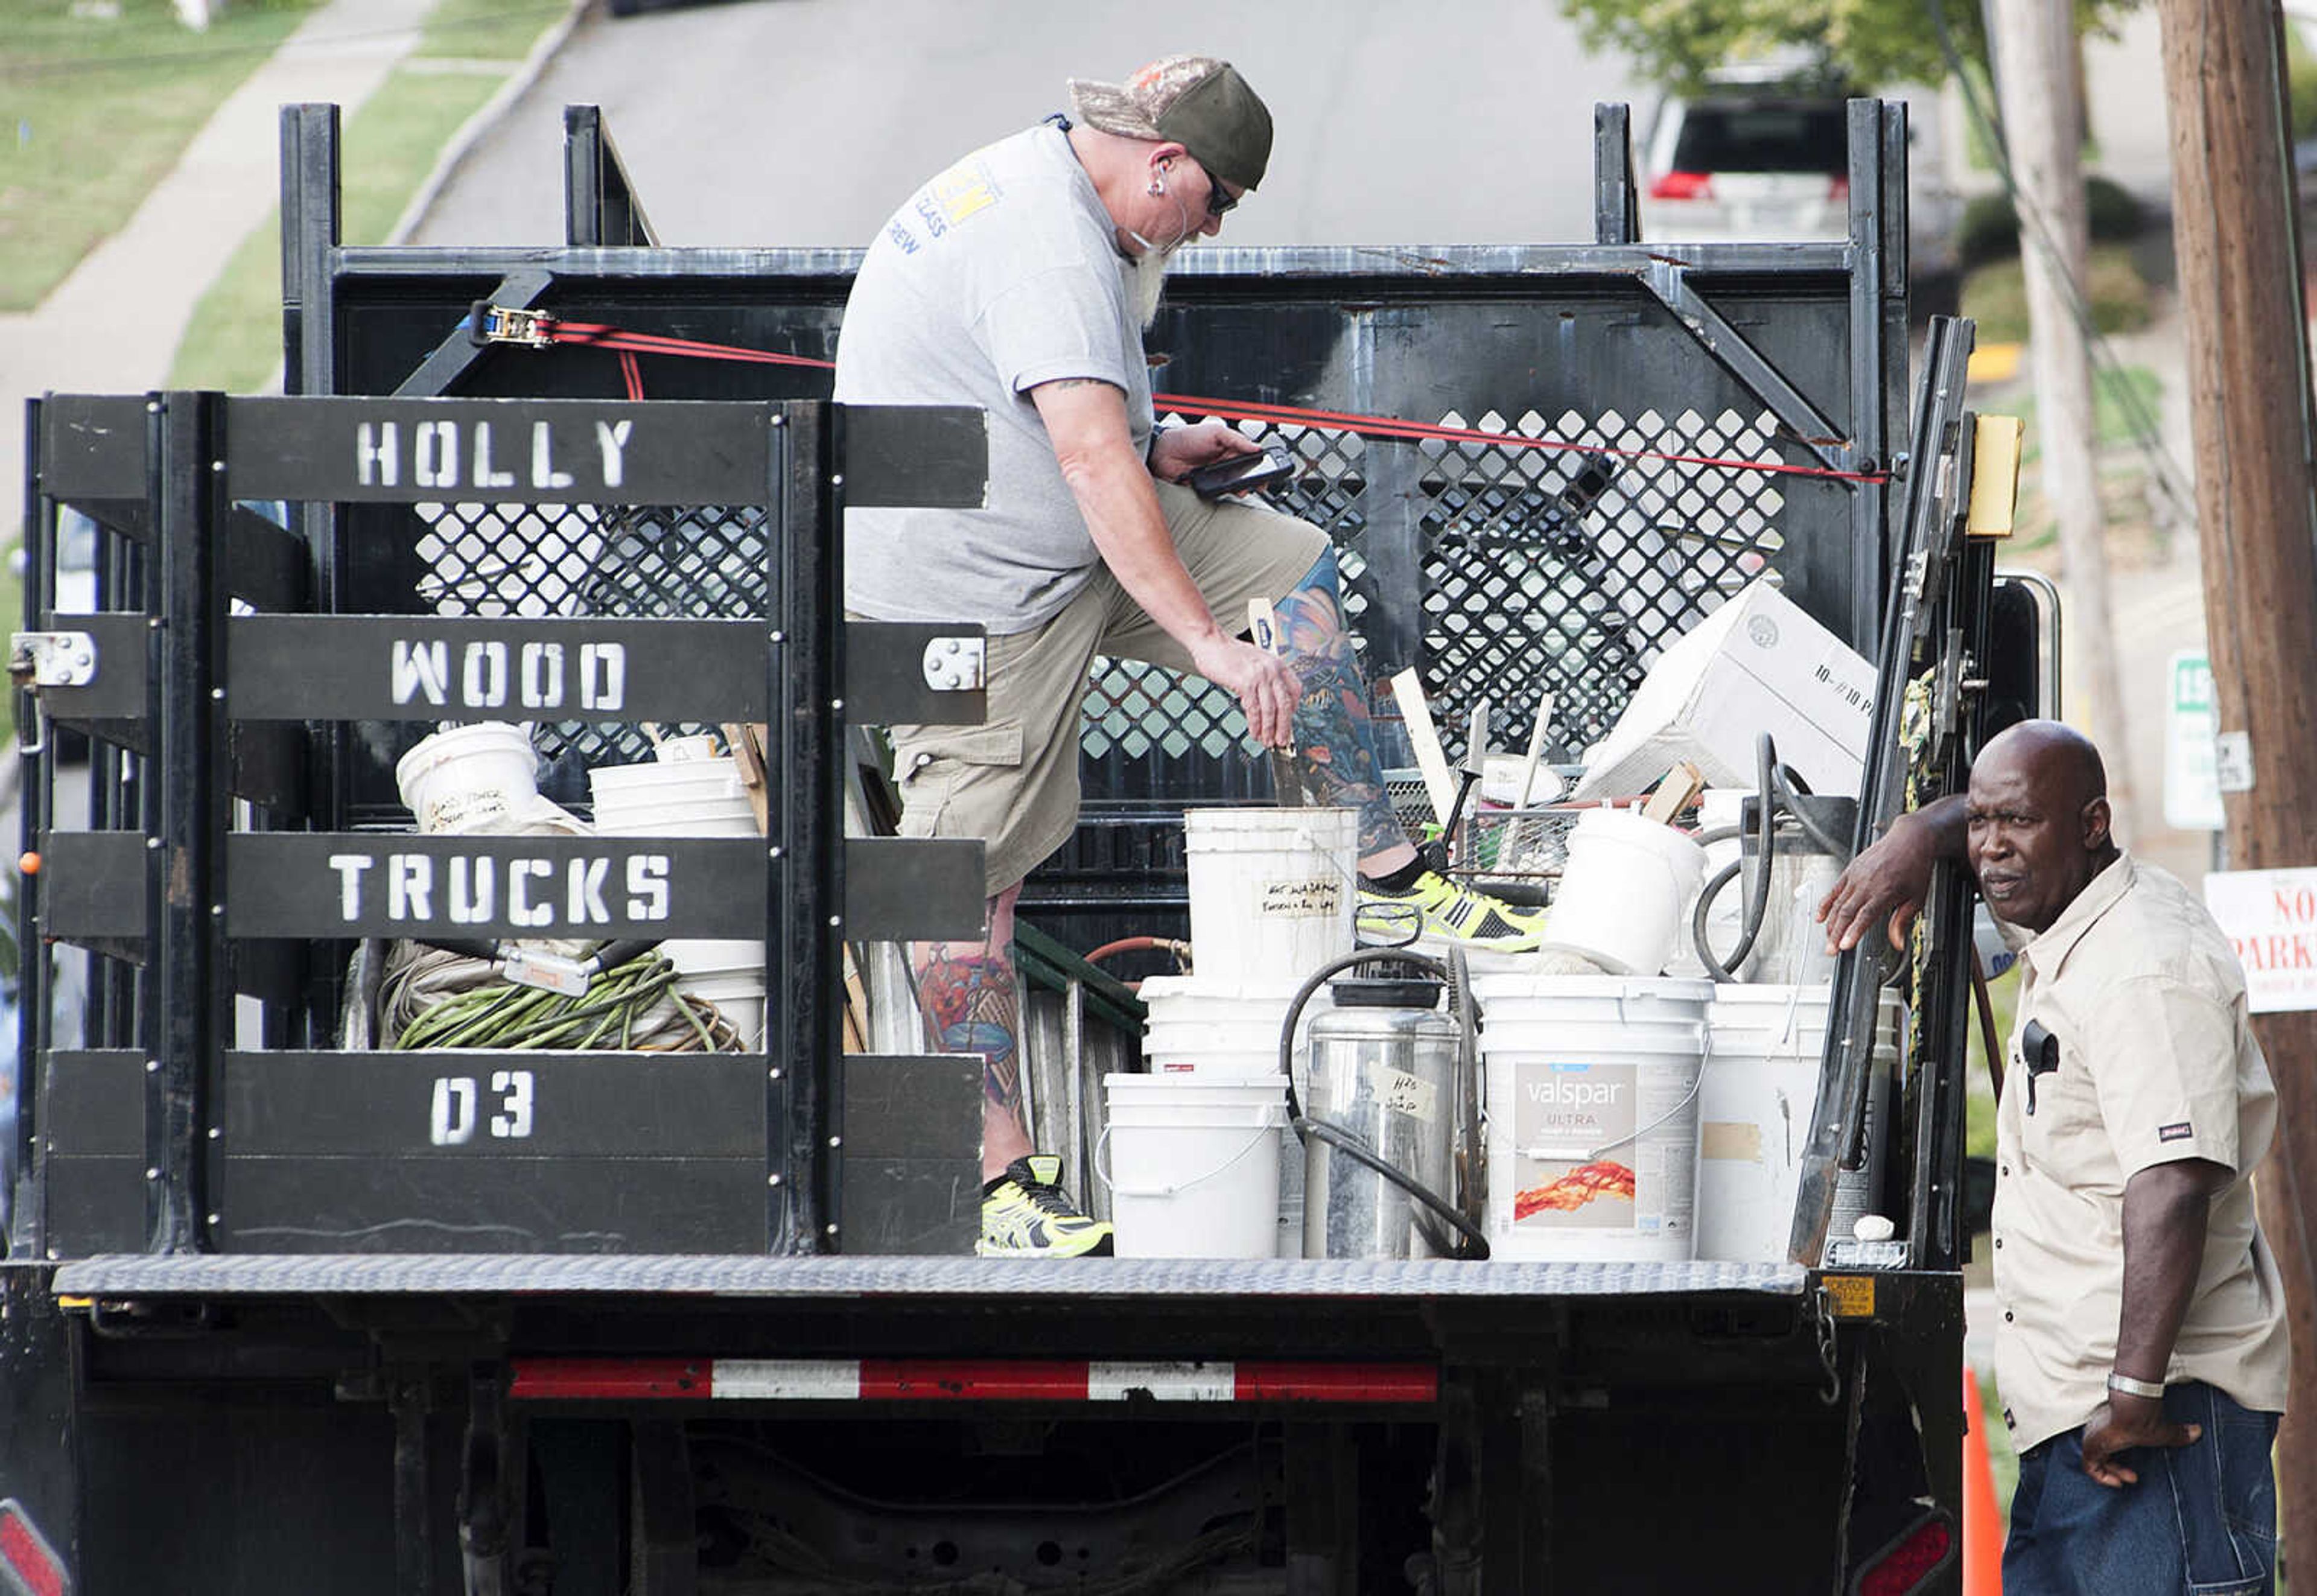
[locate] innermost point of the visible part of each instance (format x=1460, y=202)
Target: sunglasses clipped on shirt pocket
x=2040, y=1052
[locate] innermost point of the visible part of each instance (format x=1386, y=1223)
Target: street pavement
x=804, y=123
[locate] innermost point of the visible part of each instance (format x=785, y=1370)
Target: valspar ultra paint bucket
x=1592, y=1100
x=1755, y=1105
x=1192, y=1166
x=1625, y=892
x=1273, y=890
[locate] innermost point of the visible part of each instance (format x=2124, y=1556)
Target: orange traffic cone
x=1982, y=1520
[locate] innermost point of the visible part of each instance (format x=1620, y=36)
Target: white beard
x=1146, y=281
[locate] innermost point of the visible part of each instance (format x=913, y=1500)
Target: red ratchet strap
x=497, y=324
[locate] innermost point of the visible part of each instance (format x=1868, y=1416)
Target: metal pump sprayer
x=1394, y=1113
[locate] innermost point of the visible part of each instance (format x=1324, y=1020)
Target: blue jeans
x=2202, y=1522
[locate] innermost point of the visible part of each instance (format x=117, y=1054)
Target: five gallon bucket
x=1592, y=1100
x=1192, y=1166
x=687, y=797
x=1214, y=1029
x=1625, y=892
x=468, y=776
x=1273, y=890
x=1755, y=1107
x=690, y=795
x=1219, y=1026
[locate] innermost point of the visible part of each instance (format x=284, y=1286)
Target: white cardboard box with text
x=1756, y=664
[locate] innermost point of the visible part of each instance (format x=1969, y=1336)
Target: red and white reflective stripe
x=27, y=1563
x=931, y=1379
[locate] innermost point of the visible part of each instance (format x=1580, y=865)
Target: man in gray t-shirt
x=1021, y=281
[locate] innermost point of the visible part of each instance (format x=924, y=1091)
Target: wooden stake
x=1439, y=784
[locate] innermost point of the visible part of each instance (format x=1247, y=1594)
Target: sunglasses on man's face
x=1218, y=202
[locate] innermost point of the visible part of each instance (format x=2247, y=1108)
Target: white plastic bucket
x=675, y=818
x=738, y=995
x=1192, y=1166
x=1273, y=890
x=696, y=749
x=1220, y=1030
x=1203, y=1025
x=692, y=781
x=1717, y=808
x=691, y=795
x=1755, y=1105
x=467, y=775
x=1592, y=1102
x=1623, y=892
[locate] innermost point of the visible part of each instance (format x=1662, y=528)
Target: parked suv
x=1755, y=163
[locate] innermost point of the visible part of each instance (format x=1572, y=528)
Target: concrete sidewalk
x=114, y=326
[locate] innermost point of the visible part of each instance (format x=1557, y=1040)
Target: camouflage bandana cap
x=1197, y=102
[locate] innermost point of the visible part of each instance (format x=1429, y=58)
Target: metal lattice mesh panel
x=1568, y=570
x=700, y=562
x=1565, y=570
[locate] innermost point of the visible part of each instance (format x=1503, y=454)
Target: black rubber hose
x=1719, y=972
x=1792, y=788
x=1476, y=1241
x=1757, y=901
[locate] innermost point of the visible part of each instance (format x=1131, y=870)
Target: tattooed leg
x=1334, y=740
x=972, y=1003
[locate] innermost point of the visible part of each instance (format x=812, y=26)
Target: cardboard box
x=1756, y=664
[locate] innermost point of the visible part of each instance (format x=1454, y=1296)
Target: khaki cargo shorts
x=1013, y=780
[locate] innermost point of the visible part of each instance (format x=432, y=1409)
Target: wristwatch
x=2153, y=1390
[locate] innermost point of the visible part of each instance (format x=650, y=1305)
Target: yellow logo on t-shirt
x=958, y=193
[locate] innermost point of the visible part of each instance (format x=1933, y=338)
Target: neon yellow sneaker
x=1444, y=914
x=1026, y=1213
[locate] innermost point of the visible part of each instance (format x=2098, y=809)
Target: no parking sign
x=2270, y=918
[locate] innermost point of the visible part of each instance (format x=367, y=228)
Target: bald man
x=2141, y=1355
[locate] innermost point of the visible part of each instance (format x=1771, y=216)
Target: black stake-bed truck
x=283, y=1312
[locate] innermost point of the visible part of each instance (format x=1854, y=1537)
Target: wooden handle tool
x=1286, y=769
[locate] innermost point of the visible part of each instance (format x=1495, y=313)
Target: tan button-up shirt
x=2156, y=1063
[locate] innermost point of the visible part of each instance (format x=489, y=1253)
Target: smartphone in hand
x=1236, y=473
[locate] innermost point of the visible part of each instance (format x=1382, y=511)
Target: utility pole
x=2236, y=231
x=2040, y=93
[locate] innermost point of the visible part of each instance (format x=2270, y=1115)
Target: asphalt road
x=781, y=123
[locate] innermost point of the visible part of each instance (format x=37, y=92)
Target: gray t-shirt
x=997, y=275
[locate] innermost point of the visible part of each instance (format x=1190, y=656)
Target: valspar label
x=1321, y=899
x=1603, y=1145
x=1573, y=1127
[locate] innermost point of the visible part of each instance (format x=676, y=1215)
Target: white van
x=1767, y=163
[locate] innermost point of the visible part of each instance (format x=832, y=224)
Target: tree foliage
x=1674, y=43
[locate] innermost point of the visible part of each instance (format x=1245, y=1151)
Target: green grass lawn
x=488, y=30
x=390, y=144
x=2111, y=415
x=1995, y=295
x=234, y=342
x=93, y=111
